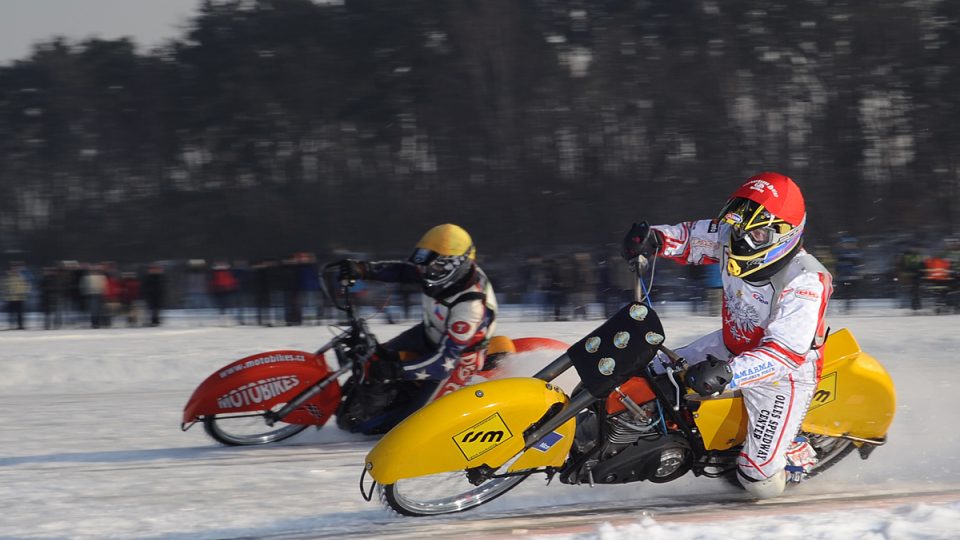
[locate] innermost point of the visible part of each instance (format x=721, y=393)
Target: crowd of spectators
x=578, y=284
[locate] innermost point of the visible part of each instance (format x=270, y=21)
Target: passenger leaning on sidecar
x=775, y=296
x=459, y=312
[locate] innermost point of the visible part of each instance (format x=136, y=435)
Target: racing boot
x=801, y=458
x=763, y=489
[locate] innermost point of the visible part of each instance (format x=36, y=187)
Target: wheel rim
x=828, y=449
x=248, y=429
x=447, y=492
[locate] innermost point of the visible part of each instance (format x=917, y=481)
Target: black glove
x=640, y=241
x=351, y=270
x=709, y=377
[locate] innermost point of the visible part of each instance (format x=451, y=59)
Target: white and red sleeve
x=691, y=242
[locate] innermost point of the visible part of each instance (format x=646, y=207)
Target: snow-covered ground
x=90, y=447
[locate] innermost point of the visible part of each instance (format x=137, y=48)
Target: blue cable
x=663, y=423
x=646, y=292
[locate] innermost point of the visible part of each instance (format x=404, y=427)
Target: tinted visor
x=433, y=268
x=423, y=256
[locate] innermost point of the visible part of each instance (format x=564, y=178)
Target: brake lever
x=676, y=386
x=677, y=364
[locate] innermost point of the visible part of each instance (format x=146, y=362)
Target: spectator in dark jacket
x=153, y=290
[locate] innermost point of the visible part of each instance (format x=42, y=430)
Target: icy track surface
x=92, y=448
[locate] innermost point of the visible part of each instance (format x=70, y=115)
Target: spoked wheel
x=248, y=429
x=830, y=450
x=444, y=493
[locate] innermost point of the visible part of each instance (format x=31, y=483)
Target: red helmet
x=767, y=216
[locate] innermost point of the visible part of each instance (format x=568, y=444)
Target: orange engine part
x=636, y=388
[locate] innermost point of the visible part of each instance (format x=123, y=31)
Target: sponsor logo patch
x=257, y=392
x=482, y=437
x=460, y=327
x=547, y=442
x=705, y=244
x=760, y=185
x=260, y=361
x=807, y=294
x=754, y=372
x=826, y=391
x=768, y=422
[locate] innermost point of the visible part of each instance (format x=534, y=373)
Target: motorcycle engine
x=630, y=446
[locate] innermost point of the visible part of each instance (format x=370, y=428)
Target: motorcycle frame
x=672, y=407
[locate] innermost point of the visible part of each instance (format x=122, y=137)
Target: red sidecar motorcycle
x=274, y=395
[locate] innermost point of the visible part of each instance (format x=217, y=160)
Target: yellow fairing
x=722, y=423
x=482, y=424
x=855, y=397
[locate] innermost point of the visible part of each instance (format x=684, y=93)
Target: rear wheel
x=830, y=450
x=444, y=493
x=249, y=429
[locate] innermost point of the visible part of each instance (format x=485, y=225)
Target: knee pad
x=766, y=488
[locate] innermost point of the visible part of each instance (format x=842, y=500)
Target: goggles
x=753, y=224
x=435, y=268
x=758, y=238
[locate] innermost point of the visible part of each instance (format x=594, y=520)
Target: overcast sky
x=149, y=22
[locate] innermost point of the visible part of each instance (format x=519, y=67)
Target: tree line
x=272, y=126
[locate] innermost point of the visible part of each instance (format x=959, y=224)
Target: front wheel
x=444, y=493
x=248, y=430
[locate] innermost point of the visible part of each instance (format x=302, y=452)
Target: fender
x=527, y=344
x=263, y=381
x=483, y=424
x=855, y=397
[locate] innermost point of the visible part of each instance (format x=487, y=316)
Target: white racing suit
x=772, y=333
x=449, y=345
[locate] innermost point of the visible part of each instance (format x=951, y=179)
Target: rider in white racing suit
x=459, y=311
x=775, y=296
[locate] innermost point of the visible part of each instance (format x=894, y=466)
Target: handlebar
x=355, y=342
x=639, y=265
x=342, y=290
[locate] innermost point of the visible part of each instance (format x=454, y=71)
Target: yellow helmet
x=448, y=240
x=444, y=256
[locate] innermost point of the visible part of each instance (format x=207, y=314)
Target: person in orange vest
x=938, y=277
x=937, y=269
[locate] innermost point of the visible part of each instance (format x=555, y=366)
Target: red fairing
x=527, y=344
x=263, y=381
